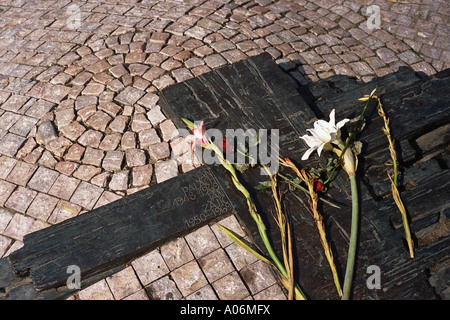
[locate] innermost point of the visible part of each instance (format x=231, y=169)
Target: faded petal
x=319, y=150
x=325, y=125
x=320, y=133
x=308, y=153
x=202, y=128
x=197, y=133
x=192, y=140
x=341, y=123
x=311, y=141
x=332, y=118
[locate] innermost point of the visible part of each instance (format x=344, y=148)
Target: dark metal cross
x=255, y=94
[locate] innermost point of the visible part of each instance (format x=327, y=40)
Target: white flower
x=323, y=134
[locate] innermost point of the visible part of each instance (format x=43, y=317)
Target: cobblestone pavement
x=80, y=124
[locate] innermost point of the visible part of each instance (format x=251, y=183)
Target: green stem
x=343, y=148
x=257, y=218
x=350, y=139
x=353, y=240
x=270, y=250
x=274, y=256
x=289, y=180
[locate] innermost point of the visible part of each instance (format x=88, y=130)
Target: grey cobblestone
x=119, y=181
x=20, y=200
x=99, y=85
x=11, y=143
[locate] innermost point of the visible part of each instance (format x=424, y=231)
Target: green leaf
x=357, y=124
x=263, y=185
x=317, y=172
x=331, y=164
x=241, y=167
x=241, y=243
x=293, y=183
x=189, y=123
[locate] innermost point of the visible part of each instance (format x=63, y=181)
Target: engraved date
x=197, y=219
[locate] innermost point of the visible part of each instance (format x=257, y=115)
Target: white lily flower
x=323, y=134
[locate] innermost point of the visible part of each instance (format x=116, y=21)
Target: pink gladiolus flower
x=197, y=137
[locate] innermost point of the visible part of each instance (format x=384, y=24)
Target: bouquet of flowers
x=325, y=135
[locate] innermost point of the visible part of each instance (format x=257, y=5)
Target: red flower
x=318, y=185
x=225, y=146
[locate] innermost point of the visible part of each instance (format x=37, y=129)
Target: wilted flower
x=318, y=185
x=323, y=134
